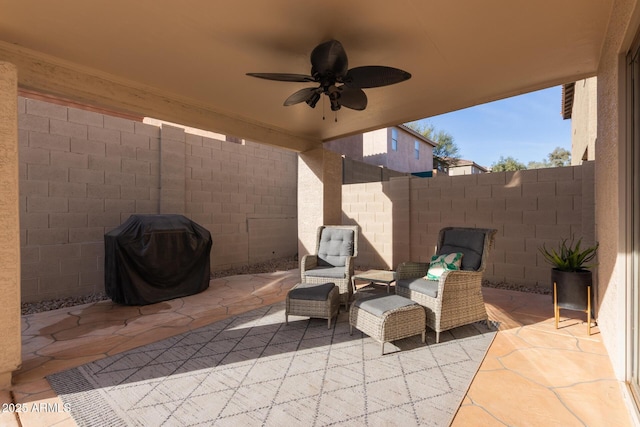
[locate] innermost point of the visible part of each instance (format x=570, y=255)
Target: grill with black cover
x=152, y=258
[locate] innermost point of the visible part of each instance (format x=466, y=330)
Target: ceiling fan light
x=313, y=100
x=334, y=97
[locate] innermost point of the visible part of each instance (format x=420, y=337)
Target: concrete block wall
x=381, y=209
x=172, y=170
x=358, y=172
x=83, y=173
x=246, y=195
x=528, y=208
x=368, y=206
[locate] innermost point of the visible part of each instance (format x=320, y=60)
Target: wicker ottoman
x=387, y=318
x=312, y=300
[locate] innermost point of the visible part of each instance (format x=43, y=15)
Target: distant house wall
x=400, y=219
x=466, y=167
x=404, y=159
x=584, y=123
x=350, y=146
x=376, y=149
x=461, y=170
x=83, y=173
x=464, y=170
x=375, y=144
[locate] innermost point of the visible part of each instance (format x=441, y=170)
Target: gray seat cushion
x=311, y=292
x=336, y=244
x=424, y=286
x=330, y=272
x=469, y=242
x=378, y=305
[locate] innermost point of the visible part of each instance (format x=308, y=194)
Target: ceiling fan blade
x=352, y=97
x=283, y=77
x=329, y=58
x=302, y=95
x=374, y=76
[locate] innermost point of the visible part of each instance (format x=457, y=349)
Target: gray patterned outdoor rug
x=253, y=370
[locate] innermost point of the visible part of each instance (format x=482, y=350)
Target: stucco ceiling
x=185, y=61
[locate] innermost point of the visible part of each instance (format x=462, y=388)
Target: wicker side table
x=387, y=318
x=312, y=300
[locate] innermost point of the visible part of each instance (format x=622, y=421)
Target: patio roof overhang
x=185, y=62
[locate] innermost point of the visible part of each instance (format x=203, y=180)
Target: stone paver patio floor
x=532, y=375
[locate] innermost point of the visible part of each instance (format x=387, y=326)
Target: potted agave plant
x=571, y=278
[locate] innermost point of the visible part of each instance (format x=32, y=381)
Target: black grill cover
x=152, y=258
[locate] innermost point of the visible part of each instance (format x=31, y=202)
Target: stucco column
x=10, y=350
x=319, y=195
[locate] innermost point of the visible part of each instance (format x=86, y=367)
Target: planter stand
x=556, y=307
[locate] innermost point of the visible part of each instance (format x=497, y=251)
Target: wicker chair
x=336, y=248
x=456, y=298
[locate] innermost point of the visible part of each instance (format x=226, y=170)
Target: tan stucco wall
x=10, y=357
x=609, y=187
x=584, y=124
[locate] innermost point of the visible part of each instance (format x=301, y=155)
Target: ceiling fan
x=343, y=86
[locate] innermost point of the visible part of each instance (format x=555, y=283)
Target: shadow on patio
x=533, y=374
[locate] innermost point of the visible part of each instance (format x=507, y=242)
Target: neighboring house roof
x=462, y=162
x=417, y=135
x=567, y=99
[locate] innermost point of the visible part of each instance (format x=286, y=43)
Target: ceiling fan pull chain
x=323, y=108
x=336, y=116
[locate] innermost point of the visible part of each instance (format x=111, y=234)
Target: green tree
x=559, y=157
x=507, y=164
x=538, y=165
x=446, y=151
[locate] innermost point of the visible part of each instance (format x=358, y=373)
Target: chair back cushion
x=468, y=241
x=336, y=244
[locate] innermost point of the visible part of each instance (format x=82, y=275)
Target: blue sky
x=526, y=127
